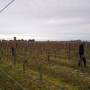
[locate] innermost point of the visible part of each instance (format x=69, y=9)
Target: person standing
x=82, y=55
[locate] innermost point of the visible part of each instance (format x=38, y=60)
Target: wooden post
x=65, y=49
x=69, y=51
x=15, y=50
x=48, y=57
x=55, y=53
x=40, y=75
x=0, y=51
x=24, y=66
x=14, y=55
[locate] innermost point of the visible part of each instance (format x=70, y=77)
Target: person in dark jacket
x=81, y=55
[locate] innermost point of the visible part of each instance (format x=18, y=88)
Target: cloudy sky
x=46, y=19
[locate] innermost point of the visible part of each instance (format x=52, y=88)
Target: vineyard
x=43, y=66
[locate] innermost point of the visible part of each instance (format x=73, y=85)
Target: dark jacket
x=81, y=49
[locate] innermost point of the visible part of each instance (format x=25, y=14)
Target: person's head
x=82, y=44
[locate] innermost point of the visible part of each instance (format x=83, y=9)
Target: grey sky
x=46, y=19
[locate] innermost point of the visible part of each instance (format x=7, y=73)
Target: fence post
x=55, y=53
x=24, y=66
x=69, y=57
x=14, y=55
x=48, y=57
x=40, y=75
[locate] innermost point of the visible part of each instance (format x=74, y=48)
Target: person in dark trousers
x=81, y=55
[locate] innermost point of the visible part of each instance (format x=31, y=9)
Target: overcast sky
x=46, y=19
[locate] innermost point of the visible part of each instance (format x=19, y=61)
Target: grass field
x=41, y=67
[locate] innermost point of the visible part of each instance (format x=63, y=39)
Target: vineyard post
x=0, y=51
x=40, y=74
x=13, y=54
x=65, y=48
x=48, y=52
x=76, y=52
x=14, y=51
x=48, y=57
x=85, y=49
x=24, y=66
x=7, y=50
x=55, y=53
x=74, y=49
x=69, y=50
